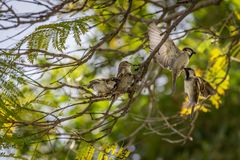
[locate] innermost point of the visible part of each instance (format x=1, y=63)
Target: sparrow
x=125, y=77
x=125, y=82
x=169, y=56
x=124, y=67
x=195, y=86
x=103, y=87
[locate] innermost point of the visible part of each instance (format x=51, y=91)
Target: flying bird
x=103, y=87
x=195, y=86
x=169, y=56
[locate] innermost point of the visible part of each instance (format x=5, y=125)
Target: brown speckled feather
x=205, y=88
x=168, y=51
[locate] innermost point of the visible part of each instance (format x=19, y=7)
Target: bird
x=125, y=77
x=103, y=87
x=120, y=83
x=195, y=86
x=169, y=56
x=124, y=67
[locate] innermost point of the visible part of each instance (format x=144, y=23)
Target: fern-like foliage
x=10, y=78
x=56, y=34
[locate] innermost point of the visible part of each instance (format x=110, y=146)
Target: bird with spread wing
x=169, y=56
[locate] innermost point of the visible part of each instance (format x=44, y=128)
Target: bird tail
x=192, y=106
x=174, y=78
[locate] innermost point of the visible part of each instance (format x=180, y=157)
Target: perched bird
x=117, y=84
x=103, y=87
x=125, y=77
x=169, y=56
x=124, y=67
x=125, y=82
x=195, y=86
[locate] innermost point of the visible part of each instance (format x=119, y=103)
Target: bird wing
x=205, y=88
x=195, y=91
x=168, y=51
x=95, y=82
